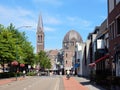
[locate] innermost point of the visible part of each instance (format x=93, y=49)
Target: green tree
x=15, y=46
x=43, y=60
x=7, y=46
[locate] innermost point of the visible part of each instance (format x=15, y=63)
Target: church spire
x=40, y=35
x=40, y=24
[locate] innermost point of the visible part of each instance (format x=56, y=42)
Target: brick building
x=53, y=55
x=69, y=43
x=114, y=35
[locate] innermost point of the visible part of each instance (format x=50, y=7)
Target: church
x=40, y=35
x=69, y=43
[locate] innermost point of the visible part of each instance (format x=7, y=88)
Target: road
x=36, y=83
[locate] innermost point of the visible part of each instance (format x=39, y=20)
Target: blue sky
x=59, y=16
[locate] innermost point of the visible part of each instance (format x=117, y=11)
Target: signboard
x=100, y=44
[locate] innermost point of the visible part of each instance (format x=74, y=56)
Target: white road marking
x=25, y=89
x=57, y=84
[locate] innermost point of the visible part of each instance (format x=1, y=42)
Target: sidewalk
x=73, y=84
x=8, y=80
x=86, y=83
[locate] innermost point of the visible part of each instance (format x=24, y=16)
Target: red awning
x=98, y=60
x=92, y=64
x=102, y=58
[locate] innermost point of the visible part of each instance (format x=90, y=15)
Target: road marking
x=57, y=84
x=25, y=89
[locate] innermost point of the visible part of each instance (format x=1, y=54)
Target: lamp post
x=16, y=48
x=23, y=27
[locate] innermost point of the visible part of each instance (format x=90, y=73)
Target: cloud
x=52, y=20
x=17, y=15
x=79, y=22
x=49, y=29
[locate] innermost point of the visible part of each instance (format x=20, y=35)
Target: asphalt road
x=36, y=83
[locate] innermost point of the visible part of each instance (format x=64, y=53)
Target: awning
x=102, y=58
x=92, y=64
x=98, y=60
x=76, y=65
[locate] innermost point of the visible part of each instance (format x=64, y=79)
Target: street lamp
x=23, y=27
x=16, y=49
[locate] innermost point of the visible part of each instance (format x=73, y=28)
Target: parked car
x=43, y=73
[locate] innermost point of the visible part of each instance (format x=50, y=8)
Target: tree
x=43, y=60
x=14, y=46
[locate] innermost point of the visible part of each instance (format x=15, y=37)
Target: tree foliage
x=15, y=46
x=43, y=60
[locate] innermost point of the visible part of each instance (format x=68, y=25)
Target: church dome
x=72, y=35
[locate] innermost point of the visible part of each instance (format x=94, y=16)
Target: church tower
x=40, y=35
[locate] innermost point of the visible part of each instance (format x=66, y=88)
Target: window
x=118, y=26
x=112, y=31
x=117, y=1
x=41, y=38
x=66, y=55
x=107, y=43
x=111, y=5
x=38, y=39
x=66, y=61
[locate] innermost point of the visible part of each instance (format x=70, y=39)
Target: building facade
x=101, y=52
x=114, y=35
x=89, y=53
x=53, y=56
x=40, y=35
x=69, y=43
x=78, y=60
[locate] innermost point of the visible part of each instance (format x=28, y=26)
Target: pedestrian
x=60, y=73
x=68, y=74
x=73, y=73
x=24, y=72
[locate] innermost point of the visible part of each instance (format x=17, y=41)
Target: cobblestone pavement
x=72, y=84
x=9, y=80
x=86, y=83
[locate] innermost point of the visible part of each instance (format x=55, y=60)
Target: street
x=35, y=83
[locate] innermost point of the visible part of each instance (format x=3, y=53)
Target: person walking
x=68, y=74
x=24, y=72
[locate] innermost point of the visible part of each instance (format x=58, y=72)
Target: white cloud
x=52, y=20
x=49, y=29
x=79, y=22
x=17, y=15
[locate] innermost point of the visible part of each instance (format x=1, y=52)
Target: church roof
x=40, y=24
x=72, y=34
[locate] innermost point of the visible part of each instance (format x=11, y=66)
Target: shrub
x=31, y=74
x=9, y=74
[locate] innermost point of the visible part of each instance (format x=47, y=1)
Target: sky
x=59, y=17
